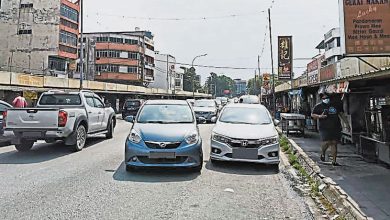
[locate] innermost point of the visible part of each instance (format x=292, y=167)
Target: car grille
x=147, y=160
x=160, y=145
x=243, y=143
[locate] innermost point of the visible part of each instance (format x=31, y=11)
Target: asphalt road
x=52, y=182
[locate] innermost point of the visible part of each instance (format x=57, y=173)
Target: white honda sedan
x=245, y=133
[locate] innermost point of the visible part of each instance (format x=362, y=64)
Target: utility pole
x=168, y=73
x=261, y=89
x=272, y=62
x=193, y=76
x=254, y=84
x=81, y=44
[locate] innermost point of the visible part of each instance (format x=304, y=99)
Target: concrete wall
x=28, y=52
x=353, y=66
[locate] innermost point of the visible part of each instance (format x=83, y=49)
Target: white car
x=245, y=133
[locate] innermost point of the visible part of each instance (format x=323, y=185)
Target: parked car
x=164, y=134
x=223, y=100
x=206, y=109
x=66, y=116
x=131, y=107
x=4, y=106
x=245, y=133
x=249, y=99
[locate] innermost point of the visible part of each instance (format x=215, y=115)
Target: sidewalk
x=367, y=183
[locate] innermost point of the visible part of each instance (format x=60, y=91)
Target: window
x=131, y=41
x=149, y=47
x=107, y=68
x=69, y=13
x=4, y=107
x=167, y=114
x=69, y=24
x=133, y=56
x=89, y=101
x=25, y=31
x=98, y=103
x=57, y=64
x=101, y=39
x=27, y=5
x=242, y=115
x=108, y=53
x=68, y=38
x=116, y=40
x=60, y=99
x=132, y=69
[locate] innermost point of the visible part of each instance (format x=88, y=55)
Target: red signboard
x=328, y=72
x=226, y=92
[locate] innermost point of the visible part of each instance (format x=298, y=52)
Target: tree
x=189, y=79
x=216, y=85
x=254, y=85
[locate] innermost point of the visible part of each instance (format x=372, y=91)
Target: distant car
x=245, y=133
x=206, y=109
x=131, y=107
x=164, y=134
x=4, y=106
x=249, y=99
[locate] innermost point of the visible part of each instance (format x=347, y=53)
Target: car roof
x=166, y=102
x=5, y=103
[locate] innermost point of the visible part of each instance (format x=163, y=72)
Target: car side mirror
x=214, y=119
x=276, y=122
x=130, y=119
x=201, y=120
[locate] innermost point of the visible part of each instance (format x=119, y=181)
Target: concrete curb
x=342, y=202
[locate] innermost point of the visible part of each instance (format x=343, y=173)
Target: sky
x=229, y=41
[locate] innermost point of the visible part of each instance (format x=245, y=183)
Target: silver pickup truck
x=66, y=116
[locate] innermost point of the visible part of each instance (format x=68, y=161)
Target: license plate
x=243, y=153
x=158, y=155
x=32, y=134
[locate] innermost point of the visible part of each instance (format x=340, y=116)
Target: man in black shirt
x=329, y=116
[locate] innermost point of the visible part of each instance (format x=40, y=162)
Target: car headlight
x=268, y=141
x=134, y=137
x=192, y=137
x=220, y=138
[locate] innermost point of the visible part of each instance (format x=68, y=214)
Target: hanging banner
x=366, y=27
x=285, y=58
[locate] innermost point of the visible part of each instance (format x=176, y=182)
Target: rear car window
x=60, y=99
x=133, y=103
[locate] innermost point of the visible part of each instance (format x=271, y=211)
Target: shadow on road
x=154, y=175
x=241, y=168
x=42, y=152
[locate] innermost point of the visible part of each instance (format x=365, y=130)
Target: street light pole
x=193, y=77
x=81, y=44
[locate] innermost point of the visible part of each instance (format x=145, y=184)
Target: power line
x=183, y=18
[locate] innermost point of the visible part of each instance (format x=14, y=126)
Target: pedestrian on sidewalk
x=329, y=116
x=20, y=101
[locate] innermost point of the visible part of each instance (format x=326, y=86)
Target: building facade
x=124, y=57
x=167, y=75
x=332, y=46
x=39, y=36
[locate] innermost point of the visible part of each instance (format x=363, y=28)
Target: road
x=52, y=182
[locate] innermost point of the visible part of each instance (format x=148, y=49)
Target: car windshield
x=244, y=115
x=133, y=103
x=60, y=99
x=205, y=103
x=166, y=114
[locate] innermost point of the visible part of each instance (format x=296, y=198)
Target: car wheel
x=110, y=131
x=81, y=138
x=24, y=146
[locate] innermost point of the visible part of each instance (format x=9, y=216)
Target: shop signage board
x=27, y=80
x=340, y=87
x=328, y=72
x=266, y=80
x=285, y=58
x=313, y=72
x=365, y=27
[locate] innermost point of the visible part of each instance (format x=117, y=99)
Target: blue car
x=164, y=134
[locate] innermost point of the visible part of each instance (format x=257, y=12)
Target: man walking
x=329, y=116
x=19, y=101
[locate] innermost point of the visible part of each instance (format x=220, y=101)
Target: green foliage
x=189, y=78
x=216, y=84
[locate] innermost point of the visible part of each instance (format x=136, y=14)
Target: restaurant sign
x=328, y=72
x=366, y=26
x=285, y=58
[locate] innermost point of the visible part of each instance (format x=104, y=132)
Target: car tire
x=24, y=146
x=81, y=138
x=110, y=130
x=214, y=162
